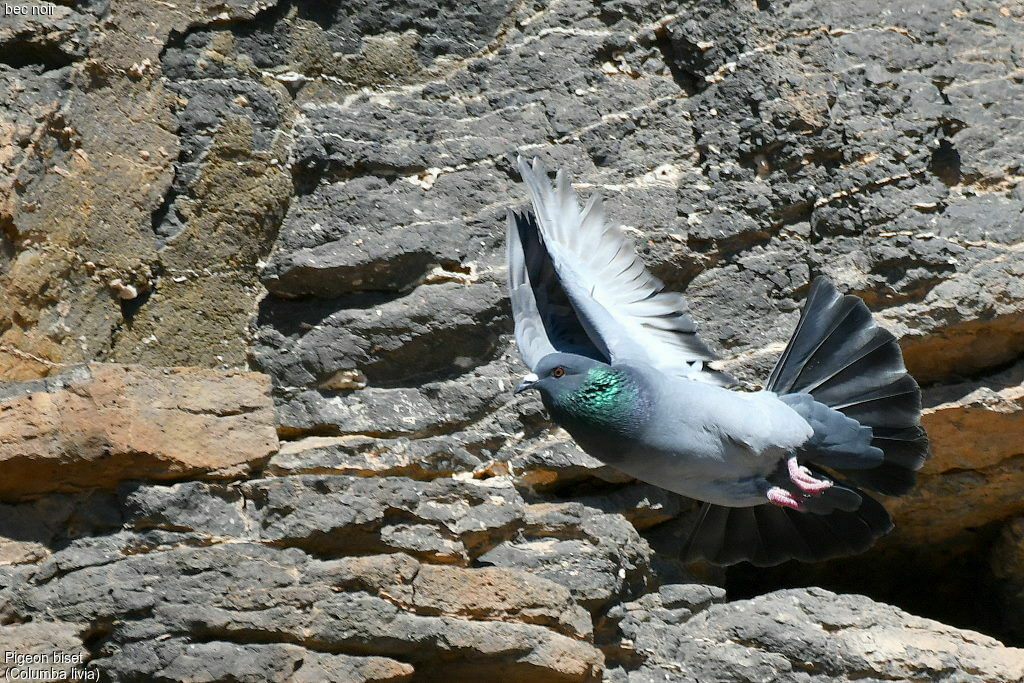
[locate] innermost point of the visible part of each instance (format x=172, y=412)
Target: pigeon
x=783, y=472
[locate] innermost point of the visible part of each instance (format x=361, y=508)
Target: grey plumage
x=619, y=364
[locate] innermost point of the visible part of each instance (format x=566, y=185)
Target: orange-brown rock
x=98, y=424
x=976, y=472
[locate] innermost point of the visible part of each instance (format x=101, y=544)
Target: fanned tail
x=839, y=369
x=845, y=376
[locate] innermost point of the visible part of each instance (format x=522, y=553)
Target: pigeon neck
x=608, y=398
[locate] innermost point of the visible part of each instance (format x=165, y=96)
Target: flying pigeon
x=781, y=472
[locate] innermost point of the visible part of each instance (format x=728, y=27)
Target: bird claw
x=804, y=479
x=783, y=498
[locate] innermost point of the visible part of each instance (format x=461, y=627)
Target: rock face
x=784, y=635
x=96, y=425
x=977, y=455
x=231, y=223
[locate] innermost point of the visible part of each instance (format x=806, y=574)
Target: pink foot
x=802, y=477
x=783, y=498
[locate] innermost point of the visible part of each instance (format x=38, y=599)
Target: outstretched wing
x=545, y=321
x=619, y=303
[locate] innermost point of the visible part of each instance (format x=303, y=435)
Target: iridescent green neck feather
x=607, y=397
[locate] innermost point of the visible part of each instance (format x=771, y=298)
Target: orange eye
x=558, y=372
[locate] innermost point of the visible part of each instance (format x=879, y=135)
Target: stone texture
x=466, y=523
x=805, y=635
x=500, y=594
x=176, y=659
x=50, y=647
x=29, y=531
x=553, y=463
x=173, y=607
x=976, y=472
x=316, y=190
x=100, y=424
x=91, y=151
x=426, y=458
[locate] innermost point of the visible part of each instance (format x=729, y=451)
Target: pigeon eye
x=558, y=372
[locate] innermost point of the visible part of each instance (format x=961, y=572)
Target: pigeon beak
x=527, y=382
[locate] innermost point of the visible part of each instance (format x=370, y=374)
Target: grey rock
x=805, y=635
x=318, y=190
x=231, y=592
x=599, y=557
x=426, y=458
x=396, y=342
x=42, y=646
x=351, y=515
x=30, y=531
x=43, y=42
x=191, y=506
x=643, y=505
x=555, y=463
x=177, y=659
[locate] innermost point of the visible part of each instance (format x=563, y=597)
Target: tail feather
x=888, y=478
x=897, y=405
x=708, y=534
x=903, y=388
x=849, y=370
x=787, y=541
x=841, y=359
x=849, y=336
x=901, y=446
x=835, y=498
x=742, y=533
x=861, y=373
x=845, y=376
x=767, y=535
x=824, y=314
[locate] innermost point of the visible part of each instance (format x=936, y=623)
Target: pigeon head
x=558, y=373
x=583, y=391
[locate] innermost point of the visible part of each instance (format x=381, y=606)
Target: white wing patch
x=621, y=304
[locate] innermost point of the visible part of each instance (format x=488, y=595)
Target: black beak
x=527, y=382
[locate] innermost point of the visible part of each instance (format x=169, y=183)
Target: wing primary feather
x=545, y=321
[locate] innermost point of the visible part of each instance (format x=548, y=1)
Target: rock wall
x=258, y=424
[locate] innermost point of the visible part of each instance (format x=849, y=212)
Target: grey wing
x=545, y=321
x=620, y=305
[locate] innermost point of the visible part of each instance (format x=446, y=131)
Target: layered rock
x=317, y=190
x=803, y=635
x=976, y=472
x=205, y=577
x=350, y=614
x=96, y=425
